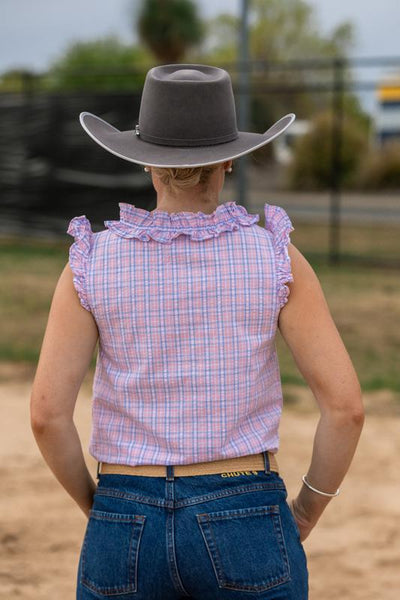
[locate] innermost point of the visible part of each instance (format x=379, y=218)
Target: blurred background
x=336, y=171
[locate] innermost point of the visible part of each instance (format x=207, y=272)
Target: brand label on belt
x=237, y=473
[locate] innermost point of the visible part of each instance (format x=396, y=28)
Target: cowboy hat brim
x=129, y=146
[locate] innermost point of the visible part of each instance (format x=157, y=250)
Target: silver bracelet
x=319, y=491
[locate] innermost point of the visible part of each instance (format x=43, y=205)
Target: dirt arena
x=354, y=553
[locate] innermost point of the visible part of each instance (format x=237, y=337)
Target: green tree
x=169, y=28
x=280, y=30
x=288, y=29
x=105, y=63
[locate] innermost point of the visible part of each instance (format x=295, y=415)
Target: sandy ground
x=354, y=553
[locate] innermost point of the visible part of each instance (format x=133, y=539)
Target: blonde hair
x=179, y=179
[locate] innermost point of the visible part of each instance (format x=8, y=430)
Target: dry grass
x=365, y=305
x=29, y=272
x=370, y=244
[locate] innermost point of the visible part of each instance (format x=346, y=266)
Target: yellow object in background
x=389, y=91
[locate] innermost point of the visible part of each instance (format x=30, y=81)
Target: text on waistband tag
x=237, y=473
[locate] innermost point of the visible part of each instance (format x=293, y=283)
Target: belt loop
x=98, y=469
x=267, y=467
x=170, y=472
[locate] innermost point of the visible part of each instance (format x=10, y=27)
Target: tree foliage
x=281, y=30
x=287, y=29
x=16, y=80
x=169, y=28
x=105, y=63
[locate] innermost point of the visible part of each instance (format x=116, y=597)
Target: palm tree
x=169, y=28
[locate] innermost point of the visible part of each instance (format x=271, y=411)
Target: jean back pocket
x=246, y=547
x=110, y=552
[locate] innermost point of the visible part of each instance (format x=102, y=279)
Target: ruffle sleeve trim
x=278, y=222
x=79, y=253
x=163, y=227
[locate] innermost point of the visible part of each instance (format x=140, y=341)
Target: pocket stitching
x=218, y=578
x=138, y=520
x=205, y=519
x=239, y=512
x=282, y=545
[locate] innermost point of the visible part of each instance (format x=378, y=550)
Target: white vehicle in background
x=283, y=145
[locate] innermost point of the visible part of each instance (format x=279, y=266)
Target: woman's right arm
x=307, y=327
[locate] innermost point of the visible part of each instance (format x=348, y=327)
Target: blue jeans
x=226, y=535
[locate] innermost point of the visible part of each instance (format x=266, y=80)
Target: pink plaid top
x=187, y=306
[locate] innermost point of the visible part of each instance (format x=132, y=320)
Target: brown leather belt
x=228, y=467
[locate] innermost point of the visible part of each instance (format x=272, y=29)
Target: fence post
x=26, y=118
x=243, y=117
x=336, y=159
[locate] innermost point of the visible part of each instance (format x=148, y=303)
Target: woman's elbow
x=38, y=417
x=42, y=412
x=345, y=407
x=357, y=416
x=350, y=417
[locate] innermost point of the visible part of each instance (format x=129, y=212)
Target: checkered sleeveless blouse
x=186, y=306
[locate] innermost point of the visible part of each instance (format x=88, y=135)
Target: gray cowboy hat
x=187, y=118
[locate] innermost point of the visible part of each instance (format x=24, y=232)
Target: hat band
x=186, y=142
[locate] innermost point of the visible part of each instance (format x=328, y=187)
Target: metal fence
x=51, y=171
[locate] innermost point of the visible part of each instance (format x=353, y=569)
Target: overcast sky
x=35, y=32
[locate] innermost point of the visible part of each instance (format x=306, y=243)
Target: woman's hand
x=87, y=506
x=303, y=523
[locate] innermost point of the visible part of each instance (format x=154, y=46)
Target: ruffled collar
x=163, y=226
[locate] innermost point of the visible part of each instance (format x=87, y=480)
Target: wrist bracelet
x=319, y=491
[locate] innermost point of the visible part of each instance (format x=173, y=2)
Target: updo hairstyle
x=181, y=178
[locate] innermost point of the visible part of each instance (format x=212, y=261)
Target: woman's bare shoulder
x=306, y=286
x=299, y=263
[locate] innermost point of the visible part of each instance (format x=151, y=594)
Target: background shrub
x=311, y=167
x=381, y=168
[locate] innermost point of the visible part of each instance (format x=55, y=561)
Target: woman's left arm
x=68, y=345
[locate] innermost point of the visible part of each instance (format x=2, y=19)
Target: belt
x=229, y=466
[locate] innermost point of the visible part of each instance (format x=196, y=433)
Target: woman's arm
x=308, y=329
x=68, y=346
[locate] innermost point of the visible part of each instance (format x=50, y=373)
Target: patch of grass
x=29, y=271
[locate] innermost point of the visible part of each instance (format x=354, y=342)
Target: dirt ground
x=354, y=553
